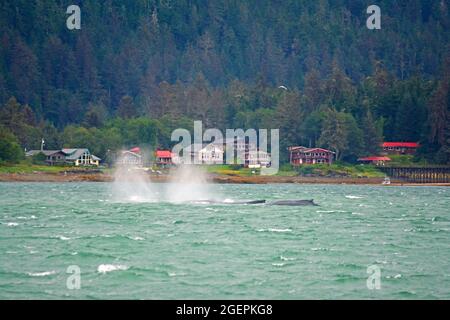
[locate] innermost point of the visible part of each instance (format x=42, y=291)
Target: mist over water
x=186, y=184
x=133, y=185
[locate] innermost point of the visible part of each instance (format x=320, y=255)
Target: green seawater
x=160, y=250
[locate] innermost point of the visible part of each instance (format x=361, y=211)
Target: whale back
x=293, y=203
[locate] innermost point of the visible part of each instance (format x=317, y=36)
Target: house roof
x=46, y=152
x=74, y=154
x=163, y=154
x=192, y=148
x=375, y=159
x=135, y=150
x=306, y=150
x=212, y=146
x=131, y=153
x=400, y=145
x=69, y=153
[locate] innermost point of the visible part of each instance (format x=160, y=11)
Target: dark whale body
x=293, y=203
x=230, y=202
x=251, y=202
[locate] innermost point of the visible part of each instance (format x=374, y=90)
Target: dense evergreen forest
x=138, y=69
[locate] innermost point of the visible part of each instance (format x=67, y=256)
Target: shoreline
x=212, y=178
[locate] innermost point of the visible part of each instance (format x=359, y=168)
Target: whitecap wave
x=320, y=249
x=275, y=230
x=12, y=224
x=26, y=218
x=41, y=274
x=137, y=238
x=278, y=264
x=287, y=259
x=104, y=268
x=353, y=197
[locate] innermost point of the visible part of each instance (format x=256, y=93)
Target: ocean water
x=163, y=250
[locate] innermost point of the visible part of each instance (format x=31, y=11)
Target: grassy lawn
x=348, y=170
x=229, y=170
x=344, y=170
x=31, y=168
x=286, y=170
x=405, y=161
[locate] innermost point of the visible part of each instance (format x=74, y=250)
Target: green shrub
x=10, y=150
x=38, y=158
x=235, y=167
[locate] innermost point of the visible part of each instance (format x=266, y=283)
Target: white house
x=74, y=156
x=238, y=149
x=130, y=158
x=80, y=157
x=199, y=154
x=211, y=154
x=258, y=159
x=238, y=145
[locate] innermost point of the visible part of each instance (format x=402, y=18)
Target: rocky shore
x=213, y=178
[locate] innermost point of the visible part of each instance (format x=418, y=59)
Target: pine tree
x=10, y=150
x=372, y=136
x=25, y=72
x=335, y=133
x=126, y=109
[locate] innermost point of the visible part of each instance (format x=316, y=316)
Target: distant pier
x=419, y=174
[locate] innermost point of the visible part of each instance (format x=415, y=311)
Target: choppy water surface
x=154, y=250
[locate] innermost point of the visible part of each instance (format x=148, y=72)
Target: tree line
x=139, y=69
x=350, y=119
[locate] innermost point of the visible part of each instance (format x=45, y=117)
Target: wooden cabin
x=400, y=147
x=303, y=156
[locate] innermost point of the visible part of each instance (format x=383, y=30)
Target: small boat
x=386, y=181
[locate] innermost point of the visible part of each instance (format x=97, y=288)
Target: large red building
x=301, y=155
x=400, y=147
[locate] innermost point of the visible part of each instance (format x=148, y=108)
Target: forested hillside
x=138, y=69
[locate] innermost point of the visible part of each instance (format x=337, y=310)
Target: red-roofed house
x=131, y=158
x=136, y=150
x=378, y=161
x=400, y=147
x=164, y=158
x=301, y=155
